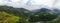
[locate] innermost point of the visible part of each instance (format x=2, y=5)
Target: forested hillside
x=25, y=13
x=10, y=10
x=14, y=12
x=10, y=14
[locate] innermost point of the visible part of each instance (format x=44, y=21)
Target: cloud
x=36, y=4
x=14, y=3
x=29, y=4
x=3, y=2
x=17, y=3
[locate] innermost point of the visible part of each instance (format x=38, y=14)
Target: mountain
x=8, y=13
x=24, y=12
x=10, y=10
x=13, y=11
x=56, y=11
x=43, y=14
x=40, y=10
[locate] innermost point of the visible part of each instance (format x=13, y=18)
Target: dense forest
x=10, y=14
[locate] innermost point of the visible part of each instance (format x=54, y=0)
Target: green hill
x=8, y=18
x=15, y=12
x=10, y=10
x=25, y=13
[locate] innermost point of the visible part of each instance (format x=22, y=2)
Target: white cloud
x=17, y=3
x=34, y=4
x=42, y=2
x=3, y=2
x=57, y=4
x=15, y=0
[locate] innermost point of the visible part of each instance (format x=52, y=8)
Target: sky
x=31, y=4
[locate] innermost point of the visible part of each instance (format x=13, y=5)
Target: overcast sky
x=30, y=4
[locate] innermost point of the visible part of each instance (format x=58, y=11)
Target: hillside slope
x=8, y=18
x=10, y=10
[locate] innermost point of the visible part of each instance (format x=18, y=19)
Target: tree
x=43, y=16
